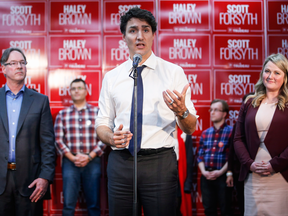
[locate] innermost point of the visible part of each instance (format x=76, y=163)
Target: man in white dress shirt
x=166, y=100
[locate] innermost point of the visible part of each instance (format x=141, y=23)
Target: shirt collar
x=7, y=89
x=150, y=62
x=221, y=128
x=83, y=108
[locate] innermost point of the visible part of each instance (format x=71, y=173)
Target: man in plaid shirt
x=212, y=160
x=76, y=140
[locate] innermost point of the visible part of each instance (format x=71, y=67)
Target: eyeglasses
x=215, y=110
x=76, y=88
x=15, y=63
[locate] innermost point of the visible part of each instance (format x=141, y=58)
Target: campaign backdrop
x=220, y=44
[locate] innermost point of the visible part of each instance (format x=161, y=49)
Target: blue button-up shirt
x=13, y=104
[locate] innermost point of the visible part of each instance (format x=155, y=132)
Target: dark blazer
x=247, y=142
x=35, y=150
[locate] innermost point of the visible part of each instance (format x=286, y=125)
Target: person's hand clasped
x=210, y=175
x=81, y=160
x=176, y=101
x=262, y=168
x=121, y=138
x=215, y=174
x=41, y=186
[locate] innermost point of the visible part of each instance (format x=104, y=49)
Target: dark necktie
x=139, y=113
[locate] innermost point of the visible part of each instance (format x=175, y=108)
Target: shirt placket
x=214, y=149
x=81, y=128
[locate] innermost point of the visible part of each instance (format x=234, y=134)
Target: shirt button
x=12, y=136
x=13, y=110
x=80, y=126
x=213, y=147
x=212, y=155
x=211, y=162
x=80, y=119
x=80, y=134
x=13, y=150
x=215, y=140
x=13, y=123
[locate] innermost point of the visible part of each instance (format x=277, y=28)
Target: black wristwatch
x=185, y=114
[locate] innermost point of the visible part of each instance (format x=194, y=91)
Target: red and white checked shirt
x=75, y=131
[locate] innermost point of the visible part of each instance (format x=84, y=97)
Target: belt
x=143, y=152
x=80, y=153
x=210, y=169
x=11, y=166
x=152, y=151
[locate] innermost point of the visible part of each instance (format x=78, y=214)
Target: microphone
x=137, y=58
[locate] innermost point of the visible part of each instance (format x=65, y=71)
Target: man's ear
x=3, y=70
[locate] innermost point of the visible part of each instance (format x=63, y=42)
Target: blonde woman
x=261, y=141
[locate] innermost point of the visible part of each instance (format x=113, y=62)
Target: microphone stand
x=135, y=210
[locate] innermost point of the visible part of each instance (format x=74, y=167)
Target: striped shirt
x=213, y=147
x=75, y=131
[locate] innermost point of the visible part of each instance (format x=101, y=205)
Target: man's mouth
x=140, y=45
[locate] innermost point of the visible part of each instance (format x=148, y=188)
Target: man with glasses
x=77, y=141
x=27, y=156
x=212, y=160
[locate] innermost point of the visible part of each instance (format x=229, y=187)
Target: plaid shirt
x=75, y=131
x=213, y=147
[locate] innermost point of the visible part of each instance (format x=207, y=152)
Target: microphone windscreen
x=136, y=59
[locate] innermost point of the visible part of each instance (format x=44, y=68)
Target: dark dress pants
x=157, y=183
x=12, y=203
x=213, y=192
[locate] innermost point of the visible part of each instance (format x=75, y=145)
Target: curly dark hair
x=139, y=13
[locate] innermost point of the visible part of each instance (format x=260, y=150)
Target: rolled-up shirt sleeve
x=107, y=112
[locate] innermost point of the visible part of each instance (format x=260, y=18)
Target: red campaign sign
x=236, y=51
x=277, y=16
x=115, y=51
x=59, y=82
x=184, y=16
x=188, y=51
x=201, y=85
x=34, y=48
x=113, y=9
x=74, y=52
x=35, y=79
x=74, y=17
x=232, y=115
x=278, y=44
x=233, y=85
x=238, y=16
x=23, y=17
x=203, y=122
x=58, y=199
x=197, y=195
x=45, y=206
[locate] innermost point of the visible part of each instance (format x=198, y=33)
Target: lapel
x=3, y=109
x=251, y=131
x=275, y=116
x=26, y=104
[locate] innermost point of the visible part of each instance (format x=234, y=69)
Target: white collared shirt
x=158, y=120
